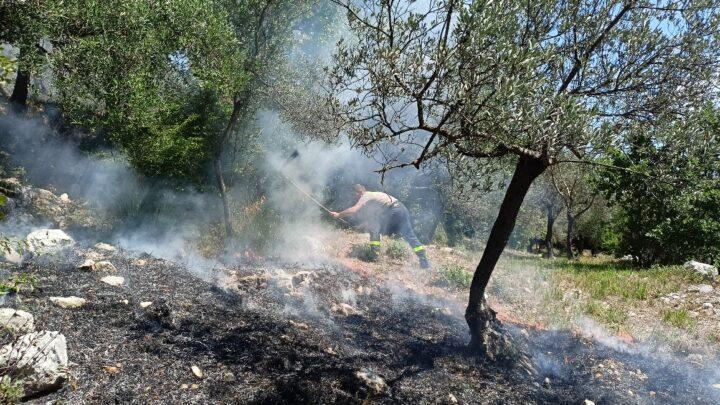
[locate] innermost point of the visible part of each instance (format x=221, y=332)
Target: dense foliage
x=670, y=193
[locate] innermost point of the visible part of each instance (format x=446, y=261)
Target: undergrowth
x=11, y=392
x=396, y=249
x=454, y=276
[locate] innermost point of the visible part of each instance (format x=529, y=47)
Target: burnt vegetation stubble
x=240, y=334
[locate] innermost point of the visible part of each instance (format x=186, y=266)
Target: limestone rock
x=104, y=266
x=702, y=288
x=706, y=270
x=105, y=247
x=11, y=187
x=16, y=320
x=40, y=358
x=48, y=241
x=113, y=280
x=197, y=371
x=372, y=381
x=11, y=255
x=88, y=264
x=344, y=309
x=68, y=302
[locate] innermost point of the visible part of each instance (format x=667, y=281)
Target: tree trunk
x=570, y=226
x=486, y=334
x=19, y=96
x=223, y=196
x=217, y=164
x=549, y=233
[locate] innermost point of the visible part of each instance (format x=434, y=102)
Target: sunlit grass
x=679, y=318
x=602, y=288
x=603, y=278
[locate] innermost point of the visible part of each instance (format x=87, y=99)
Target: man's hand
x=335, y=214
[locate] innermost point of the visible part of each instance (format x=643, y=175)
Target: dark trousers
x=395, y=221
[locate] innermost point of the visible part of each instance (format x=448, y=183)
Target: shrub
x=363, y=252
x=396, y=249
x=455, y=276
x=11, y=392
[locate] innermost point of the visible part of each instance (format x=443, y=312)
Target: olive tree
x=572, y=183
x=546, y=197
x=527, y=82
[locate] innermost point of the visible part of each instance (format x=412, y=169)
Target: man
x=383, y=214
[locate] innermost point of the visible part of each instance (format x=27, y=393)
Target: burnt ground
x=261, y=343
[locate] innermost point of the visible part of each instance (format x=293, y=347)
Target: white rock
x=11, y=255
x=708, y=271
x=105, y=247
x=145, y=304
x=344, y=309
x=113, y=280
x=197, y=371
x=68, y=302
x=64, y=198
x=702, y=288
x=372, y=380
x=16, y=320
x=588, y=402
x=88, y=264
x=40, y=357
x=48, y=241
x=104, y=266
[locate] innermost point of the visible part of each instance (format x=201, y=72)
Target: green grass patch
x=455, y=277
x=608, y=314
x=602, y=279
x=11, y=392
x=679, y=318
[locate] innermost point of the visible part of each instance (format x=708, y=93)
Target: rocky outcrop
x=32, y=204
x=38, y=360
x=16, y=320
x=708, y=271
x=48, y=241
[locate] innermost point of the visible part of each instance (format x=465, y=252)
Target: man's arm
x=350, y=211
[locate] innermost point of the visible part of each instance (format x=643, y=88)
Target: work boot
x=374, y=254
x=422, y=257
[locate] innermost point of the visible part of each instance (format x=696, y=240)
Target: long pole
x=310, y=196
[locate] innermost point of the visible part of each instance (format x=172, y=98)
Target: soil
x=257, y=340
